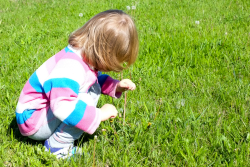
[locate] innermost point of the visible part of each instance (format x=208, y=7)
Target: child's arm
x=124, y=85
x=114, y=88
x=66, y=102
x=108, y=111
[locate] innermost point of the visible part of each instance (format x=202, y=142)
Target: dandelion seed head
x=178, y=106
x=95, y=136
x=182, y=102
x=133, y=7
x=80, y=14
x=197, y=22
x=225, y=33
x=128, y=7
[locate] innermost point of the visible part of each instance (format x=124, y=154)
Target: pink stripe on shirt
x=50, y=64
x=60, y=92
x=27, y=89
x=24, y=98
x=59, y=55
x=88, y=120
x=26, y=129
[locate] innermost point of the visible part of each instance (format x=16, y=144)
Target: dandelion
x=94, y=151
x=149, y=124
x=225, y=33
x=182, y=102
x=80, y=14
x=178, y=106
x=128, y=7
x=133, y=7
x=197, y=22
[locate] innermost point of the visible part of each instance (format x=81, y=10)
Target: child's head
x=107, y=40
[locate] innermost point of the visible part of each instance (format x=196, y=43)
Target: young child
x=58, y=102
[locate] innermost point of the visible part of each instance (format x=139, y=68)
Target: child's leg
x=48, y=128
x=65, y=135
x=60, y=134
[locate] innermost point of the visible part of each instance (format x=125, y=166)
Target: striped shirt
x=61, y=84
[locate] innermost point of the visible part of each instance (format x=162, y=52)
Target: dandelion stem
x=124, y=112
x=130, y=73
x=94, y=152
x=157, y=111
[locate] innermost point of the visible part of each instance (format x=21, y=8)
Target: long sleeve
x=108, y=85
x=62, y=89
x=57, y=84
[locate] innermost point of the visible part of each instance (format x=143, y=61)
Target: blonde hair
x=108, y=41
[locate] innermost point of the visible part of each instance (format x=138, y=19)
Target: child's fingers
x=132, y=86
x=127, y=84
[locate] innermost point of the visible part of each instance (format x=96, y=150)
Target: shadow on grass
x=14, y=132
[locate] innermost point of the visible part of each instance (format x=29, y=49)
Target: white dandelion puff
x=180, y=103
x=178, y=106
x=225, y=33
x=133, y=7
x=183, y=102
x=197, y=22
x=80, y=14
x=128, y=7
x=95, y=137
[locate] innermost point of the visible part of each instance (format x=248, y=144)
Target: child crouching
x=58, y=102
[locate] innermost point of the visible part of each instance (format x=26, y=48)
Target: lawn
x=191, y=105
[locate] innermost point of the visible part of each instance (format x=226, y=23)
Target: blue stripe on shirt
x=75, y=117
x=22, y=117
x=102, y=79
x=61, y=83
x=34, y=82
x=68, y=50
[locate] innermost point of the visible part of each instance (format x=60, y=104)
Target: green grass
x=196, y=75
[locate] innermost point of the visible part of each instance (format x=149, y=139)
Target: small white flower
x=128, y=7
x=133, y=7
x=182, y=102
x=197, y=22
x=225, y=33
x=95, y=137
x=80, y=14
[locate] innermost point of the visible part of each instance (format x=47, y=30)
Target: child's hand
x=125, y=84
x=108, y=111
